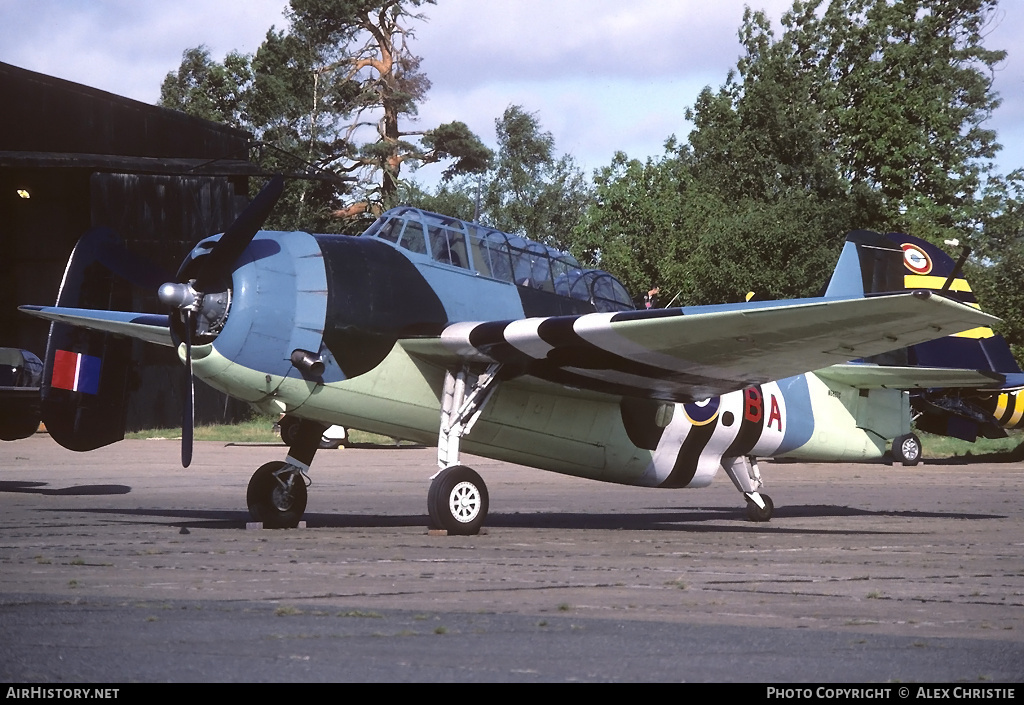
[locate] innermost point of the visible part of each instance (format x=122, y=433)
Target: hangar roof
x=50, y=122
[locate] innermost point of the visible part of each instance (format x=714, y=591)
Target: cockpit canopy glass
x=497, y=255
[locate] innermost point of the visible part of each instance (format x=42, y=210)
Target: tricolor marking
x=76, y=372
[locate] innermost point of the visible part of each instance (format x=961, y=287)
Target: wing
x=699, y=352
x=149, y=327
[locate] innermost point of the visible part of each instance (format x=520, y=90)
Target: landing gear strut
x=745, y=474
x=457, y=501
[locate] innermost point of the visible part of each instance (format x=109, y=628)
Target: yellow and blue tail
x=960, y=412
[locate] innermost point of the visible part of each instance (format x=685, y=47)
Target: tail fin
x=86, y=373
x=928, y=267
x=869, y=264
x=960, y=413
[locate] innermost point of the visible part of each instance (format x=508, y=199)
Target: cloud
x=473, y=42
x=602, y=75
x=123, y=46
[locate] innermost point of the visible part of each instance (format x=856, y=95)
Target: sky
x=601, y=75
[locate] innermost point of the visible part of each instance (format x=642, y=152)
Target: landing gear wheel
x=457, y=501
x=755, y=513
x=907, y=449
x=278, y=500
x=289, y=428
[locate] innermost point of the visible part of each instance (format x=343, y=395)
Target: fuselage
x=349, y=301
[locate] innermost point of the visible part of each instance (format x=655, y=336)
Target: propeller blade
x=217, y=265
x=187, y=408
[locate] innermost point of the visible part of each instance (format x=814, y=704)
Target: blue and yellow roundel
x=701, y=413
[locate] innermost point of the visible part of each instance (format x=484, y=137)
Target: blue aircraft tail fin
x=86, y=372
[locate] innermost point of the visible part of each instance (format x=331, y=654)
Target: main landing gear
x=457, y=501
x=277, y=491
x=277, y=495
x=745, y=474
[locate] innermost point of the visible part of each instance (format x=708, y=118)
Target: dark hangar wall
x=85, y=158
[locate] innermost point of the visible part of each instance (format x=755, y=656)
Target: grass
x=943, y=447
x=258, y=430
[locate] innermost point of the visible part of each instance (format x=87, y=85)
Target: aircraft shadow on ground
x=26, y=487
x=684, y=521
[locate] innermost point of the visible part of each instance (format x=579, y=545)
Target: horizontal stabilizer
x=148, y=327
x=863, y=376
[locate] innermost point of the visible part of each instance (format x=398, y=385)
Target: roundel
x=916, y=259
x=703, y=412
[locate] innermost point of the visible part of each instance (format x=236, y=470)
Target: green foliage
x=998, y=272
x=910, y=86
x=456, y=197
x=658, y=224
x=208, y=89
x=531, y=191
x=326, y=98
x=526, y=189
x=863, y=114
x=454, y=140
x=636, y=226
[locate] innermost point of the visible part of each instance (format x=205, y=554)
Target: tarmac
x=119, y=566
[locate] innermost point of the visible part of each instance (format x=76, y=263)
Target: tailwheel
x=457, y=501
x=277, y=495
x=759, y=514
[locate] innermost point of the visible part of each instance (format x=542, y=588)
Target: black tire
x=458, y=501
x=289, y=428
x=755, y=513
x=277, y=506
x=906, y=449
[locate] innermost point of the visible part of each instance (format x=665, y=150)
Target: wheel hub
x=465, y=502
x=283, y=496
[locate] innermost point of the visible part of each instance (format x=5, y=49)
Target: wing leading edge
x=149, y=327
x=695, y=353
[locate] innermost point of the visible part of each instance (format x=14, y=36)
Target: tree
x=332, y=91
x=905, y=87
x=208, y=89
x=531, y=191
x=636, y=225
x=998, y=267
x=863, y=114
x=660, y=223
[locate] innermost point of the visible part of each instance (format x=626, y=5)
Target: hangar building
x=73, y=158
